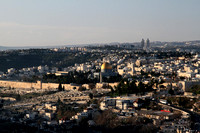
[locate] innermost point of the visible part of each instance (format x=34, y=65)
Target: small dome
x=106, y=66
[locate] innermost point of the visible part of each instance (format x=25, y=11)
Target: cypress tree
x=60, y=87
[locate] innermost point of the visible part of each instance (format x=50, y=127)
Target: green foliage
x=36, y=57
x=81, y=88
x=59, y=102
x=71, y=77
x=109, y=121
x=1, y=103
x=112, y=90
x=185, y=102
x=18, y=97
x=195, y=89
x=66, y=111
x=126, y=87
x=91, y=96
x=155, y=74
x=112, y=79
x=78, y=78
x=181, y=101
x=60, y=88
x=171, y=91
x=92, y=86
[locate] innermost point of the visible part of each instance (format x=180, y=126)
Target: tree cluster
x=66, y=111
x=71, y=77
x=195, y=89
x=37, y=57
x=60, y=88
x=112, y=79
x=130, y=87
x=109, y=122
x=78, y=78
x=181, y=101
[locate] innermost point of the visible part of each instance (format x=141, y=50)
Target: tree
x=59, y=102
x=60, y=87
x=182, y=78
x=133, y=87
x=63, y=89
x=162, y=86
x=91, y=96
x=81, y=88
x=111, y=88
x=107, y=119
x=142, y=72
x=141, y=88
x=1, y=103
x=195, y=89
x=105, y=86
x=18, y=97
x=84, y=122
x=171, y=91
x=91, y=86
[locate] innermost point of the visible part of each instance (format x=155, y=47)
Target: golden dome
x=106, y=66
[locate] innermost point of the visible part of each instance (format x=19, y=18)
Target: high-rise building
x=148, y=43
x=145, y=45
x=142, y=43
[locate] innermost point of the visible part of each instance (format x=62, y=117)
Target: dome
x=106, y=66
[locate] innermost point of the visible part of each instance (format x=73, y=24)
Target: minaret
x=101, y=79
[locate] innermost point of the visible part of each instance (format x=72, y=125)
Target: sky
x=68, y=22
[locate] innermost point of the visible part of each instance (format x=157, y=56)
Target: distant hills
x=28, y=47
x=40, y=47
x=155, y=43
x=3, y=48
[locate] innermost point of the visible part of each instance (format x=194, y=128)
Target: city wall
x=45, y=86
x=38, y=85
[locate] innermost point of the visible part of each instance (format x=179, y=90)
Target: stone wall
x=38, y=85
x=100, y=85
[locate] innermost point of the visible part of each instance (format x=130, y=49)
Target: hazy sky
x=63, y=22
